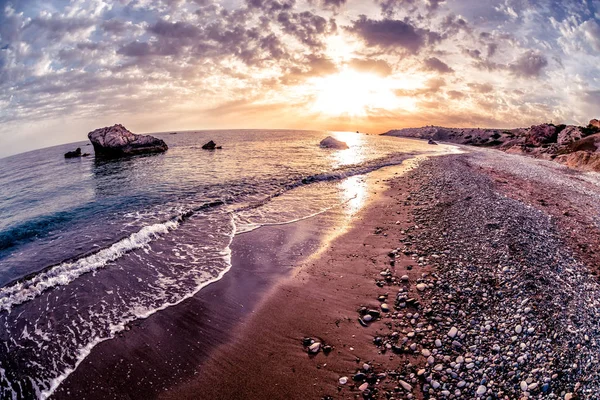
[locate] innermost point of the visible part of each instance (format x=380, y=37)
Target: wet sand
x=266, y=359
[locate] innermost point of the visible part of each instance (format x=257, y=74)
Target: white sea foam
x=67, y=272
x=140, y=313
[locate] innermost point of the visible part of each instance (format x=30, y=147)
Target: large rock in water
x=332, y=143
x=116, y=140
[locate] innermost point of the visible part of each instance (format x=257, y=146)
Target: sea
x=88, y=245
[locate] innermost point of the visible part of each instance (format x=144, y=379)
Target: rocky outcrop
x=211, y=146
x=332, y=143
x=75, y=153
x=569, y=134
x=116, y=141
x=575, y=146
x=541, y=134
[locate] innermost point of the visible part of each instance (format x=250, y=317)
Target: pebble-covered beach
x=502, y=308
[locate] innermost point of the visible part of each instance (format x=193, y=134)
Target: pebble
x=314, y=348
x=452, y=333
x=518, y=329
x=421, y=287
x=481, y=390
x=405, y=385
x=343, y=380
x=363, y=387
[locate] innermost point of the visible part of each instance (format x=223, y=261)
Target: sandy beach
x=472, y=283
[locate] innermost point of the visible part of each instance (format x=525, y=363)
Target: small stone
x=343, y=380
x=481, y=390
x=363, y=387
x=405, y=385
x=366, y=367
x=453, y=331
x=421, y=287
x=314, y=348
x=523, y=386
x=518, y=329
x=404, y=278
x=426, y=353
x=367, y=318
x=438, y=343
x=385, y=307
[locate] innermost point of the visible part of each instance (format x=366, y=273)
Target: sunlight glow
x=354, y=94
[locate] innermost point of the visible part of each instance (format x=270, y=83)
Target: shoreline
x=258, y=268
x=455, y=247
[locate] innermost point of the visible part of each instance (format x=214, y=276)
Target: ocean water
x=88, y=245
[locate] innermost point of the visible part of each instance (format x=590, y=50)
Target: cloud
x=434, y=64
x=375, y=66
x=529, y=64
x=591, y=30
x=393, y=34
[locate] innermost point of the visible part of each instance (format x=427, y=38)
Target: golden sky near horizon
x=70, y=66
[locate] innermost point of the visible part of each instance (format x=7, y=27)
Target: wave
x=140, y=314
x=65, y=273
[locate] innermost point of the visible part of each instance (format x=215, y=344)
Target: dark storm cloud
x=529, y=64
x=436, y=65
x=393, y=34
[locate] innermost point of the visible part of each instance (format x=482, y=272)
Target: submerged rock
x=116, y=141
x=332, y=143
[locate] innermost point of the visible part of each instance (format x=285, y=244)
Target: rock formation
x=332, y=143
x=74, y=153
x=574, y=146
x=541, y=134
x=211, y=146
x=116, y=140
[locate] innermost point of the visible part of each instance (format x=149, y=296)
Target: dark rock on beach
x=211, y=146
x=116, y=141
x=332, y=143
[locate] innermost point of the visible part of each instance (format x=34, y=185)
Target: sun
x=353, y=93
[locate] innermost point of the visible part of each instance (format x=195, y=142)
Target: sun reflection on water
x=355, y=154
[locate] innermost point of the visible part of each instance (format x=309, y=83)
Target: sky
x=70, y=66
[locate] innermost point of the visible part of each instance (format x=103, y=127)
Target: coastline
x=459, y=235
x=169, y=347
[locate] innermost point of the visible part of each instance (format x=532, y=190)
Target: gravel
x=509, y=311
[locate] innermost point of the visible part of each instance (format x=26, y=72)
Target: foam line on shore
x=142, y=314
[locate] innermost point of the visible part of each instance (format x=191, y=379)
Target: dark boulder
x=211, y=146
x=73, y=154
x=430, y=141
x=116, y=141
